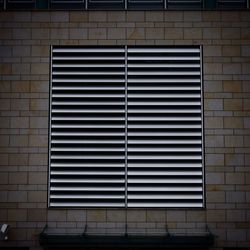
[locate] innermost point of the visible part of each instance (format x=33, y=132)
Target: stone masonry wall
x=25, y=39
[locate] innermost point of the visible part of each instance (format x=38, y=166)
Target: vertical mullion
x=50, y=121
x=202, y=126
x=126, y=126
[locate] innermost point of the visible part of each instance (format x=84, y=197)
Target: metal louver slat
x=164, y=127
x=126, y=127
x=87, y=127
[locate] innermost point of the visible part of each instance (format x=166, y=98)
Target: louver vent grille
x=126, y=127
x=88, y=127
x=164, y=127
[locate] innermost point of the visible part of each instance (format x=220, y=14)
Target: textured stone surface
x=24, y=87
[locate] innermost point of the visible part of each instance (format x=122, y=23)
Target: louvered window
x=126, y=127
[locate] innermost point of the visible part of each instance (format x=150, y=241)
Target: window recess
x=106, y=4
x=20, y=4
x=184, y=4
x=67, y=4
x=126, y=127
x=146, y=4
x=232, y=4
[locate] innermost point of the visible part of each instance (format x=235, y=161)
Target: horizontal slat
x=89, y=180
x=166, y=204
x=162, y=173
x=86, y=204
x=167, y=80
x=173, y=126
x=98, y=65
x=89, y=189
x=87, y=196
x=88, y=50
x=89, y=73
x=157, y=103
x=163, y=50
x=162, y=58
x=89, y=58
x=163, y=73
x=152, y=118
x=164, y=165
x=163, y=65
x=82, y=157
x=164, y=189
x=154, y=141
x=91, y=111
x=86, y=134
x=89, y=149
x=104, y=118
x=157, y=149
x=86, y=126
x=163, y=111
x=97, y=173
x=86, y=103
x=165, y=180
x=88, y=80
x=70, y=141
x=163, y=95
x=143, y=88
x=164, y=134
x=163, y=197
x=91, y=165
x=164, y=157
x=88, y=88
x=87, y=96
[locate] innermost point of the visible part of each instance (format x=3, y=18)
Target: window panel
x=231, y=4
x=1, y=4
x=146, y=4
x=106, y=4
x=164, y=127
x=87, y=127
x=126, y=127
x=184, y=4
x=67, y=4
x=20, y=4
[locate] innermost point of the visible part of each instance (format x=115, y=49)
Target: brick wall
x=25, y=38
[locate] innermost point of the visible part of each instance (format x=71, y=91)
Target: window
x=66, y=4
x=123, y=4
x=20, y=4
x=232, y=4
x=126, y=127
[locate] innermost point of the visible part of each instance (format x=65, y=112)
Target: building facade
x=26, y=37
